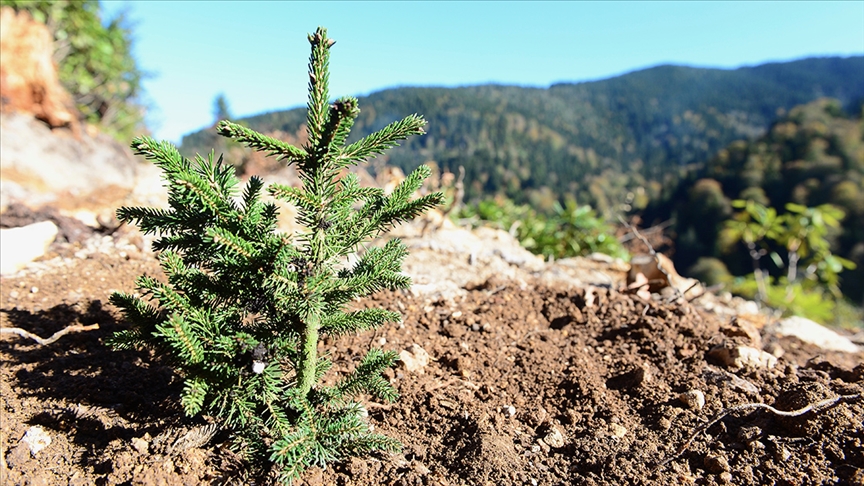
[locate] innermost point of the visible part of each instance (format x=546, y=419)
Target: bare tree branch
x=43, y=341
x=814, y=407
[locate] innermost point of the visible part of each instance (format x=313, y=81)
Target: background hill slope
x=596, y=141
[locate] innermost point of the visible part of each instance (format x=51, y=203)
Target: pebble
x=36, y=439
x=414, y=359
x=34, y=290
x=747, y=434
x=693, y=399
x=716, y=463
x=140, y=445
x=509, y=410
x=742, y=357
x=617, y=431
x=554, y=438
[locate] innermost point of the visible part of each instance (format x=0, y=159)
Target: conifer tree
x=244, y=305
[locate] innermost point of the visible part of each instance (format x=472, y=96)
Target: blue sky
x=256, y=52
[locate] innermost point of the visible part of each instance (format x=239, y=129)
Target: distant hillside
x=813, y=155
x=597, y=141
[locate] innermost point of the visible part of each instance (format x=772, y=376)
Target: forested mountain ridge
x=596, y=141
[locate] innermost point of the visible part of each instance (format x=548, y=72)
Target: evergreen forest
x=668, y=143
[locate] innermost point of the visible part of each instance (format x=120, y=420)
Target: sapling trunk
x=308, y=360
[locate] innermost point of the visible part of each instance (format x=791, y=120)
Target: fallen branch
x=814, y=407
x=43, y=341
x=653, y=252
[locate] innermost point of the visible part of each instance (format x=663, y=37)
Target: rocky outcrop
x=28, y=76
x=39, y=166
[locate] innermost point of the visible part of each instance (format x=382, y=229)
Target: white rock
x=509, y=410
x=36, y=439
x=20, y=246
x=694, y=399
x=554, y=438
x=617, y=431
x=813, y=333
x=743, y=357
x=140, y=445
x=414, y=359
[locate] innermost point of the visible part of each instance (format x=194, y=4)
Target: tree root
x=814, y=407
x=46, y=341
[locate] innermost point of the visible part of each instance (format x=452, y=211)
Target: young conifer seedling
x=244, y=305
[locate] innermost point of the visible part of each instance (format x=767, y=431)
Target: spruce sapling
x=244, y=305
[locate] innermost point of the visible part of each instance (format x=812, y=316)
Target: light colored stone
x=20, y=246
x=554, y=438
x=617, y=431
x=693, y=399
x=414, y=359
x=36, y=439
x=742, y=357
x=44, y=161
x=813, y=333
x=140, y=445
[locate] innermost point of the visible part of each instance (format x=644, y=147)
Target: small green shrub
x=811, y=285
x=567, y=230
x=245, y=305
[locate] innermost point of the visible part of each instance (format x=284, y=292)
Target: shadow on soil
x=119, y=394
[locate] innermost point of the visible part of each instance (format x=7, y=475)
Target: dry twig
x=46, y=341
x=653, y=252
x=814, y=407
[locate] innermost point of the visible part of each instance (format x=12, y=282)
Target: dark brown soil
x=525, y=387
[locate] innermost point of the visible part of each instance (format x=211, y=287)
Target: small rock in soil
x=554, y=438
x=693, y=399
x=454, y=330
x=742, y=357
x=537, y=416
x=414, y=359
x=36, y=439
x=617, y=431
x=747, y=434
x=140, y=445
x=716, y=463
